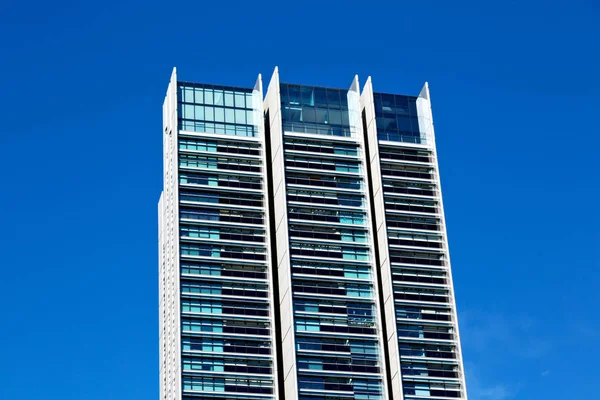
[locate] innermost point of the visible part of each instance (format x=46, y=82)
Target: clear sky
x=514, y=89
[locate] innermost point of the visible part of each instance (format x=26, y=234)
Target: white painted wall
x=257, y=99
x=170, y=334
x=272, y=104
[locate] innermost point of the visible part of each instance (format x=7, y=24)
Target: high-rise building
x=302, y=247
x=331, y=333
x=415, y=277
x=216, y=295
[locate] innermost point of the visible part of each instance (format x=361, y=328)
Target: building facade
x=302, y=246
x=216, y=297
x=416, y=281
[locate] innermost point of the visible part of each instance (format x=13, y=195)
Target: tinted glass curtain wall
x=302, y=246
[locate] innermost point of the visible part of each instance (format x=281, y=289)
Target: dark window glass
x=294, y=94
x=333, y=98
x=396, y=117
x=315, y=110
x=320, y=97
x=307, y=96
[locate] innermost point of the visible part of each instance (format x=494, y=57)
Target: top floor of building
x=313, y=110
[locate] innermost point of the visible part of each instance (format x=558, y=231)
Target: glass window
x=189, y=95
x=335, y=117
x=240, y=116
x=321, y=116
x=403, y=110
x=229, y=115
x=308, y=114
x=240, y=100
x=218, y=97
x=307, y=307
x=388, y=123
x=344, y=100
x=333, y=98
x=208, y=96
x=283, y=93
x=414, y=122
x=402, y=105
x=345, y=117
x=387, y=103
x=320, y=97
x=403, y=124
x=228, y=98
x=294, y=94
x=188, y=111
x=378, y=104
x=294, y=114
x=412, y=107
x=209, y=113
x=307, y=325
x=199, y=112
x=219, y=114
x=199, y=96
x=307, y=96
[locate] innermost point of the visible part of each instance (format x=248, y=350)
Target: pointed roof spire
x=259, y=85
x=355, y=87
x=425, y=91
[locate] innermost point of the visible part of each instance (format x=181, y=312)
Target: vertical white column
x=426, y=126
x=169, y=252
x=273, y=105
x=161, y=298
x=387, y=291
x=257, y=98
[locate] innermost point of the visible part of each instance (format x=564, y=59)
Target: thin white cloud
x=498, y=392
x=480, y=390
x=517, y=335
x=584, y=330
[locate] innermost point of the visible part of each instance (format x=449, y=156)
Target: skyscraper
x=331, y=333
x=303, y=252
x=416, y=281
x=216, y=296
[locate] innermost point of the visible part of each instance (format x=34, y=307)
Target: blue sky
x=514, y=89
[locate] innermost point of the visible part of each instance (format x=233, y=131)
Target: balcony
x=419, y=279
x=407, y=190
x=422, y=298
x=406, y=174
x=414, y=243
